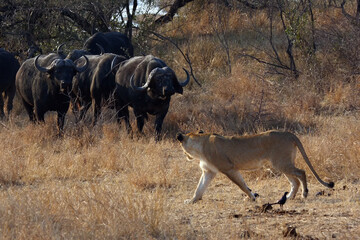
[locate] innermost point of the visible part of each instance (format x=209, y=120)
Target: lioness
x=229, y=154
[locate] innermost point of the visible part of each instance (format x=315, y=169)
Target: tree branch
x=253, y=6
x=186, y=56
x=355, y=20
x=77, y=19
x=173, y=10
x=290, y=45
x=265, y=62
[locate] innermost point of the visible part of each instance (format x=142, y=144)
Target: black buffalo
x=43, y=84
x=78, y=53
x=146, y=84
x=96, y=84
x=8, y=68
x=111, y=42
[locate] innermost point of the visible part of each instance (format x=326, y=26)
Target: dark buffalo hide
x=111, y=42
x=43, y=84
x=96, y=84
x=146, y=84
x=8, y=68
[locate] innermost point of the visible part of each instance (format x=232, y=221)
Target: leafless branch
x=77, y=19
x=265, y=62
x=221, y=34
x=185, y=55
x=254, y=6
x=292, y=64
x=355, y=20
x=173, y=10
x=271, y=38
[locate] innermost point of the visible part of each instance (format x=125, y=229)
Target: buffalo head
x=76, y=54
x=161, y=83
x=62, y=71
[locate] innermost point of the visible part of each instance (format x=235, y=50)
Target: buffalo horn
x=184, y=83
x=146, y=85
x=59, y=49
x=113, y=63
x=83, y=68
x=102, y=50
x=41, y=69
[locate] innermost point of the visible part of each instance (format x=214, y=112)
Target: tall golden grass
x=101, y=183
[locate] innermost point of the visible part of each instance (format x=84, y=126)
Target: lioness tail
x=303, y=153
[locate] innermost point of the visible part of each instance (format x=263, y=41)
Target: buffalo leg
x=9, y=97
x=30, y=110
x=60, y=122
x=123, y=113
x=1, y=106
x=140, y=121
x=96, y=103
x=75, y=108
x=83, y=110
x=39, y=114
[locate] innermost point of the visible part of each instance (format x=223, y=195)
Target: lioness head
x=191, y=143
x=180, y=137
x=184, y=138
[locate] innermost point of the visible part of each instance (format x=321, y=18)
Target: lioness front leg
x=204, y=182
x=236, y=177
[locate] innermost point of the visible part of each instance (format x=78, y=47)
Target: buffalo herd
x=104, y=71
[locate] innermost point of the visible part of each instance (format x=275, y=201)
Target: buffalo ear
x=178, y=88
x=50, y=73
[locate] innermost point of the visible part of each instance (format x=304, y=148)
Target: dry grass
x=101, y=183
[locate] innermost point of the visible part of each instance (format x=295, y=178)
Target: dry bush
x=88, y=210
x=91, y=184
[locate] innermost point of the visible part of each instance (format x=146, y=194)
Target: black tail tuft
x=331, y=184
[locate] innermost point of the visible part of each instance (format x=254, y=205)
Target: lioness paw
x=249, y=199
x=190, y=201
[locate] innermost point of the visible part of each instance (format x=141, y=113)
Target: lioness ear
x=200, y=131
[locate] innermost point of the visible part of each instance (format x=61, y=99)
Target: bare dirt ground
x=223, y=212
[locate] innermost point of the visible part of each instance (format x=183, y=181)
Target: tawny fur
x=229, y=154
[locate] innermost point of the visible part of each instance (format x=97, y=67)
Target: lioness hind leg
x=295, y=183
x=300, y=174
x=236, y=177
x=204, y=182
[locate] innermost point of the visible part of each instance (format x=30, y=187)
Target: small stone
x=289, y=231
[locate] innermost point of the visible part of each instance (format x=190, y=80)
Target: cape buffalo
x=96, y=84
x=8, y=68
x=43, y=84
x=78, y=53
x=146, y=84
x=112, y=42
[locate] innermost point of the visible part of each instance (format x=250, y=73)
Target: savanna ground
x=101, y=183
